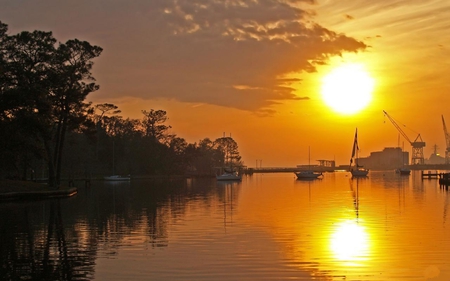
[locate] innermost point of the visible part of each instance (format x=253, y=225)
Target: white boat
x=229, y=176
x=230, y=170
x=116, y=178
x=308, y=174
x=356, y=170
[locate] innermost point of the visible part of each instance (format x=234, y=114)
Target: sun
x=347, y=89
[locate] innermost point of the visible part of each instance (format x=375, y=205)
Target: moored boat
x=229, y=176
x=116, y=178
x=308, y=174
x=357, y=170
x=403, y=171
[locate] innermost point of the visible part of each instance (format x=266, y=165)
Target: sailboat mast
x=355, y=150
x=309, y=157
x=114, y=151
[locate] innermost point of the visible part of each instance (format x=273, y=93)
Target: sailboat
x=356, y=170
x=404, y=171
x=229, y=173
x=115, y=177
x=308, y=174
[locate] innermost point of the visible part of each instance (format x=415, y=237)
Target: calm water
x=267, y=227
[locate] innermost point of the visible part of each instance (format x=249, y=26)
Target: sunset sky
x=255, y=68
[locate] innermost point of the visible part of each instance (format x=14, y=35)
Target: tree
x=153, y=126
x=106, y=108
x=46, y=86
x=71, y=72
x=176, y=159
x=203, y=157
x=25, y=64
x=229, y=150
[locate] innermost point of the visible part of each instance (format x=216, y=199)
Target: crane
x=417, y=145
x=447, y=142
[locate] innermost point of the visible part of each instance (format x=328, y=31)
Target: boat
x=229, y=176
x=356, y=170
x=359, y=172
x=308, y=174
x=230, y=170
x=403, y=171
x=116, y=178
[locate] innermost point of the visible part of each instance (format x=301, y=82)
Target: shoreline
x=11, y=190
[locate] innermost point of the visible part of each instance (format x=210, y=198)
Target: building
x=435, y=158
x=389, y=158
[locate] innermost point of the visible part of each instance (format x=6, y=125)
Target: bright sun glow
x=348, y=88
x=350, y=242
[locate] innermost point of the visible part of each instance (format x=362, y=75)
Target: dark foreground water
x=267, y=227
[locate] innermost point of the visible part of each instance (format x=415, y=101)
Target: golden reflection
x=350, y=241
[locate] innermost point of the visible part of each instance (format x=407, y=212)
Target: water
x=267, y=227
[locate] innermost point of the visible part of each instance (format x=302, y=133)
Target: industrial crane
x=447, y=142
x=417, y=145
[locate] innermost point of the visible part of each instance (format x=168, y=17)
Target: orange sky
x=253, y=69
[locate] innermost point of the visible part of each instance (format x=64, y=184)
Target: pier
x=430, y=175
x=289, y=169
x=444, y=179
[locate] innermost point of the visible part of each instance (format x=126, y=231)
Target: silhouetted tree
x=229, y=150
x=26, y=63
x=176, y=160
x=203, y=157
x=106, y=108
x=153, y=124
x=45, y=87
x=71, y=72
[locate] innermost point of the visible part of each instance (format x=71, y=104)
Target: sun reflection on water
x=350, y=241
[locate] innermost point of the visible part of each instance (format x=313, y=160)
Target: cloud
x=348, y=17
x=199, y=50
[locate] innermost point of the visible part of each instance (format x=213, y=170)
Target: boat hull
x=229, y=177
x=307, y=175
x=116, y=178
x=403, y=172
x=359, y=173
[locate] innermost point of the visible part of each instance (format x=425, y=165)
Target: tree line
x=46, y=124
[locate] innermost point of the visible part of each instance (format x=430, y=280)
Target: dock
x=288, y=169
x=430, y=175
x=444, y=179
